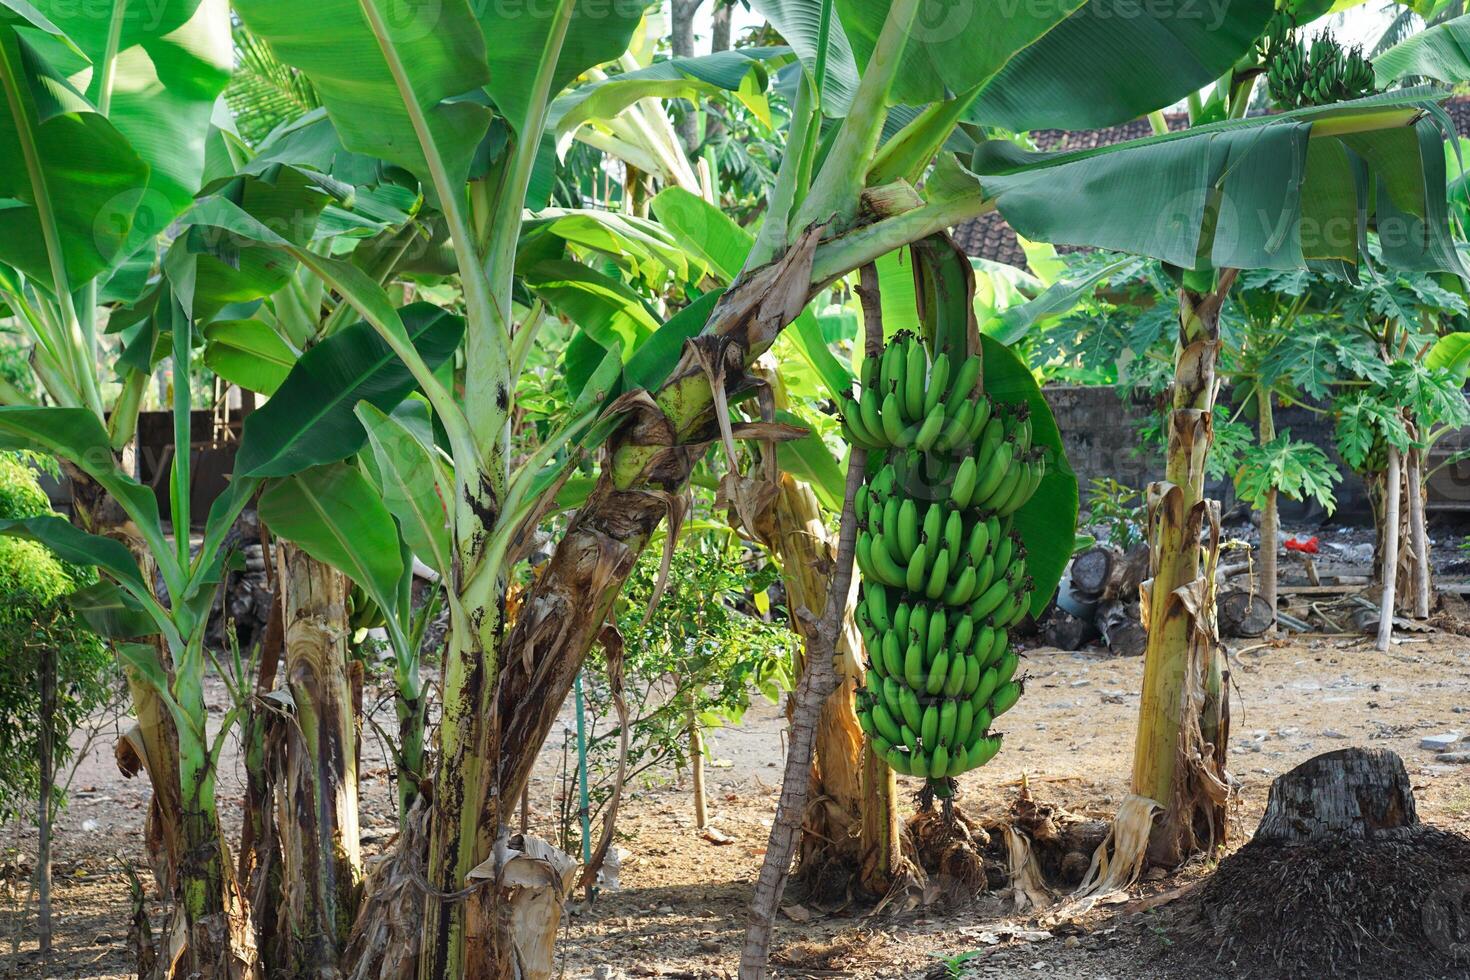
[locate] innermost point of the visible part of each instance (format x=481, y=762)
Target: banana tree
x=394, y=89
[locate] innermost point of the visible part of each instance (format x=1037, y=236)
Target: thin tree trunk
x=47, y=763
x=720, y=27
x=1392, y=480
x=1270, y=514
x=681, y=43
x=818, y=680
x=1419, y=534
x=1183, y=727
x=319, y=820
x=696, y=767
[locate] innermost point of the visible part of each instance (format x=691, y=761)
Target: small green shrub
x=36, y=623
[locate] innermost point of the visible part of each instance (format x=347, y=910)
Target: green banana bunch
x=1299, y=74
x=943, y=570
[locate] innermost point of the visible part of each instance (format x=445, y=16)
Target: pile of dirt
x=1394, y=905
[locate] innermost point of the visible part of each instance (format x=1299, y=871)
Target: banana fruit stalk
x=943, y=570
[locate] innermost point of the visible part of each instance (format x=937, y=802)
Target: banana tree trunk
x=650, y=459
x=155, y=740
x=696, y=768
x=1183, y=722
x=1270, y=513
x=259, y=868
x=322, y=862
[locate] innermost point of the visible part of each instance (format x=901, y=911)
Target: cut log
x=1121, y=630
x=1067, y=632
x=1355, y=793
x=1127, y=574
x=1244, y=614
x=1092, y=570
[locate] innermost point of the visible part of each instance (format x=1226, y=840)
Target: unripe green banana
x=956, y=430
x=889, y=368
x=869, y=370
x=985, y=750
x=913, y=382
x=870, y=413
x=886, y=570
x=878, y=611
x=938, y=383
x=929, y=731
x=1005, y=698
x=949, y=716
x=852, y=426
x=955, y=681
x=990, y=599
x=908, y=700
x=919, y=625
x=907, y=525
x=919, y=764
x=989, y=681
x=930, y=430
x=938, y=637
x=898, y=762
x=1005, y=667
x=938, y=673
x=959, y=762
x=881, y=746
x=962, y=388
x=977, y=545
x=892, y=655
x=1002, y=492
x=885, y=723
x=994, y=469
x=954, y=534
x=889, y=527
x=972, y=677
x=893, y=694
x=914, y=576
x=979, y=419
x=959, y=591
x=933, y=524
x=939, y=577
x=910, y=739
x=914, y=674
x=891, y=414
x=962, y=633
x=939, y=760
x=901, y=619
x=983, y=721
x=964, y=721
x=964, y=483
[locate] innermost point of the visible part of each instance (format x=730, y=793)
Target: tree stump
x=1091, y=571
x=1126, y=576
x=1244, y=614
x=1121, y=628
x=1067, y=632
x=1350, y=793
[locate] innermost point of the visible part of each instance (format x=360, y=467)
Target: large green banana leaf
x=1272, y=192
x=171, y=61
x=799, y=22
x=1442, y=53
x=1070, y=64
x=391, y=75
x=68, y=178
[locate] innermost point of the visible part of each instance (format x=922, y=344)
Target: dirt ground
x=678, y=910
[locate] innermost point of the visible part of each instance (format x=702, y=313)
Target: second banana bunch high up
x=943, y=572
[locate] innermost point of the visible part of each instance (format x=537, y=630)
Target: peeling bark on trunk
x=1270, y=514
x=1418, y=534
x=818, y=680
x=322, y=862
x=1392, y=479
x=259, y=870
x=646, y=469
x=1179, y=756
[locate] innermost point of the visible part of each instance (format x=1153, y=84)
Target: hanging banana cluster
x=1322, y=73
x=943, y=572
